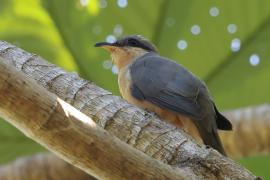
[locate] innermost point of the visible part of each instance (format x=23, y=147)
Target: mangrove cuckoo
x=160, y=85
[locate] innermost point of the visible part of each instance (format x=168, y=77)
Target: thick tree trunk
x=140, y=129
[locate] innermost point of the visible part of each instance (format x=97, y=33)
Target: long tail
x=212, y=139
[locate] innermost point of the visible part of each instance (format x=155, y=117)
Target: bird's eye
x=133, y=42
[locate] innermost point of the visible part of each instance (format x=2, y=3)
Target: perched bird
x=160, y=85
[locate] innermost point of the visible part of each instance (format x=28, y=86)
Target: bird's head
x=127, y=49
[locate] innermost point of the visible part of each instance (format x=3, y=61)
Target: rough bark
x=41, y=167
x=246, y=121
x=134, y=126
x=250, y=135
x=72, y=135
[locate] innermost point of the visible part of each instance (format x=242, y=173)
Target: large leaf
x=80, y=28
x=26, y=24
x=208, y=53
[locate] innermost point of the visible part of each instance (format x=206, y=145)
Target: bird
x=160, y=85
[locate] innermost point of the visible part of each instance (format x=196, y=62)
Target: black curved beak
x=100, y=44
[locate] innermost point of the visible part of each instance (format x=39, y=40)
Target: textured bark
x=134, y=126
x=246, y=121
x=250, y=135
x=41, y=167
x=72, y=135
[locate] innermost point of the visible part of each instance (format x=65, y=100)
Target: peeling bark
x=142, y=130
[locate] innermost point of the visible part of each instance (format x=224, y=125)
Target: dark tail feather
x=222, y=122
x=212, y=139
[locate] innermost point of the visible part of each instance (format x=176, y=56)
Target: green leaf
x=237, y=83
x=80, y=30
x=208, y=54
x=229, y=75
x=27, y=25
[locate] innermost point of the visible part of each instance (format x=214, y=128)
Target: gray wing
x=166, y=84
x=171, y=86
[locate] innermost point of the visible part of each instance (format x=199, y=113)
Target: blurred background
x=226, y=43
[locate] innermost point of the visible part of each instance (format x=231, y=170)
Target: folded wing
x=166, y=84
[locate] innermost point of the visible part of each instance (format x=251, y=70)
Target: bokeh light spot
x=235, y=45
x=115, y=69
x=103, y=3
x=195, y=29
x=107, y=64
x=110, y=38
x=231, y=28
x=84, y=2
x=214, y=11
x=118, y=30
x=182, y=44
x=170, y=22
x=122, y=3
x=254, y=59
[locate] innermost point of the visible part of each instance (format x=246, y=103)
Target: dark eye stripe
x=136, y=43
x=133, y=42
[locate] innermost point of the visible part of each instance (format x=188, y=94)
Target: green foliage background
x=64, y=32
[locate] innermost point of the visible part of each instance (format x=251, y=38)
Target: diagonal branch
x=251, y=135
x=140, y=129
x=72, y=135
x=42, y=167
x=251, y=132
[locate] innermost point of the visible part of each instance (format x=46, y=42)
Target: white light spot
x=70, y=111
x=170, y=21
x=232, y=28
x=235, y=45
x=97, y=29
x=182, y=44
x=214, y=11
x=107, y=64
x=122, y=3
x=84, y=2
x=115, y=69
x=118, y=30
x=195, y=29
x=103, y=3
x=254, y=59
x=110, y=39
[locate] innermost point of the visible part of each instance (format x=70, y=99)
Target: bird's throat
x=126, y=56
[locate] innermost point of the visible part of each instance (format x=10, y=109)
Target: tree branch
x=251, y=135
x=42, y=167
x=245, y=121
x=72, y=135
x=138, y=128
